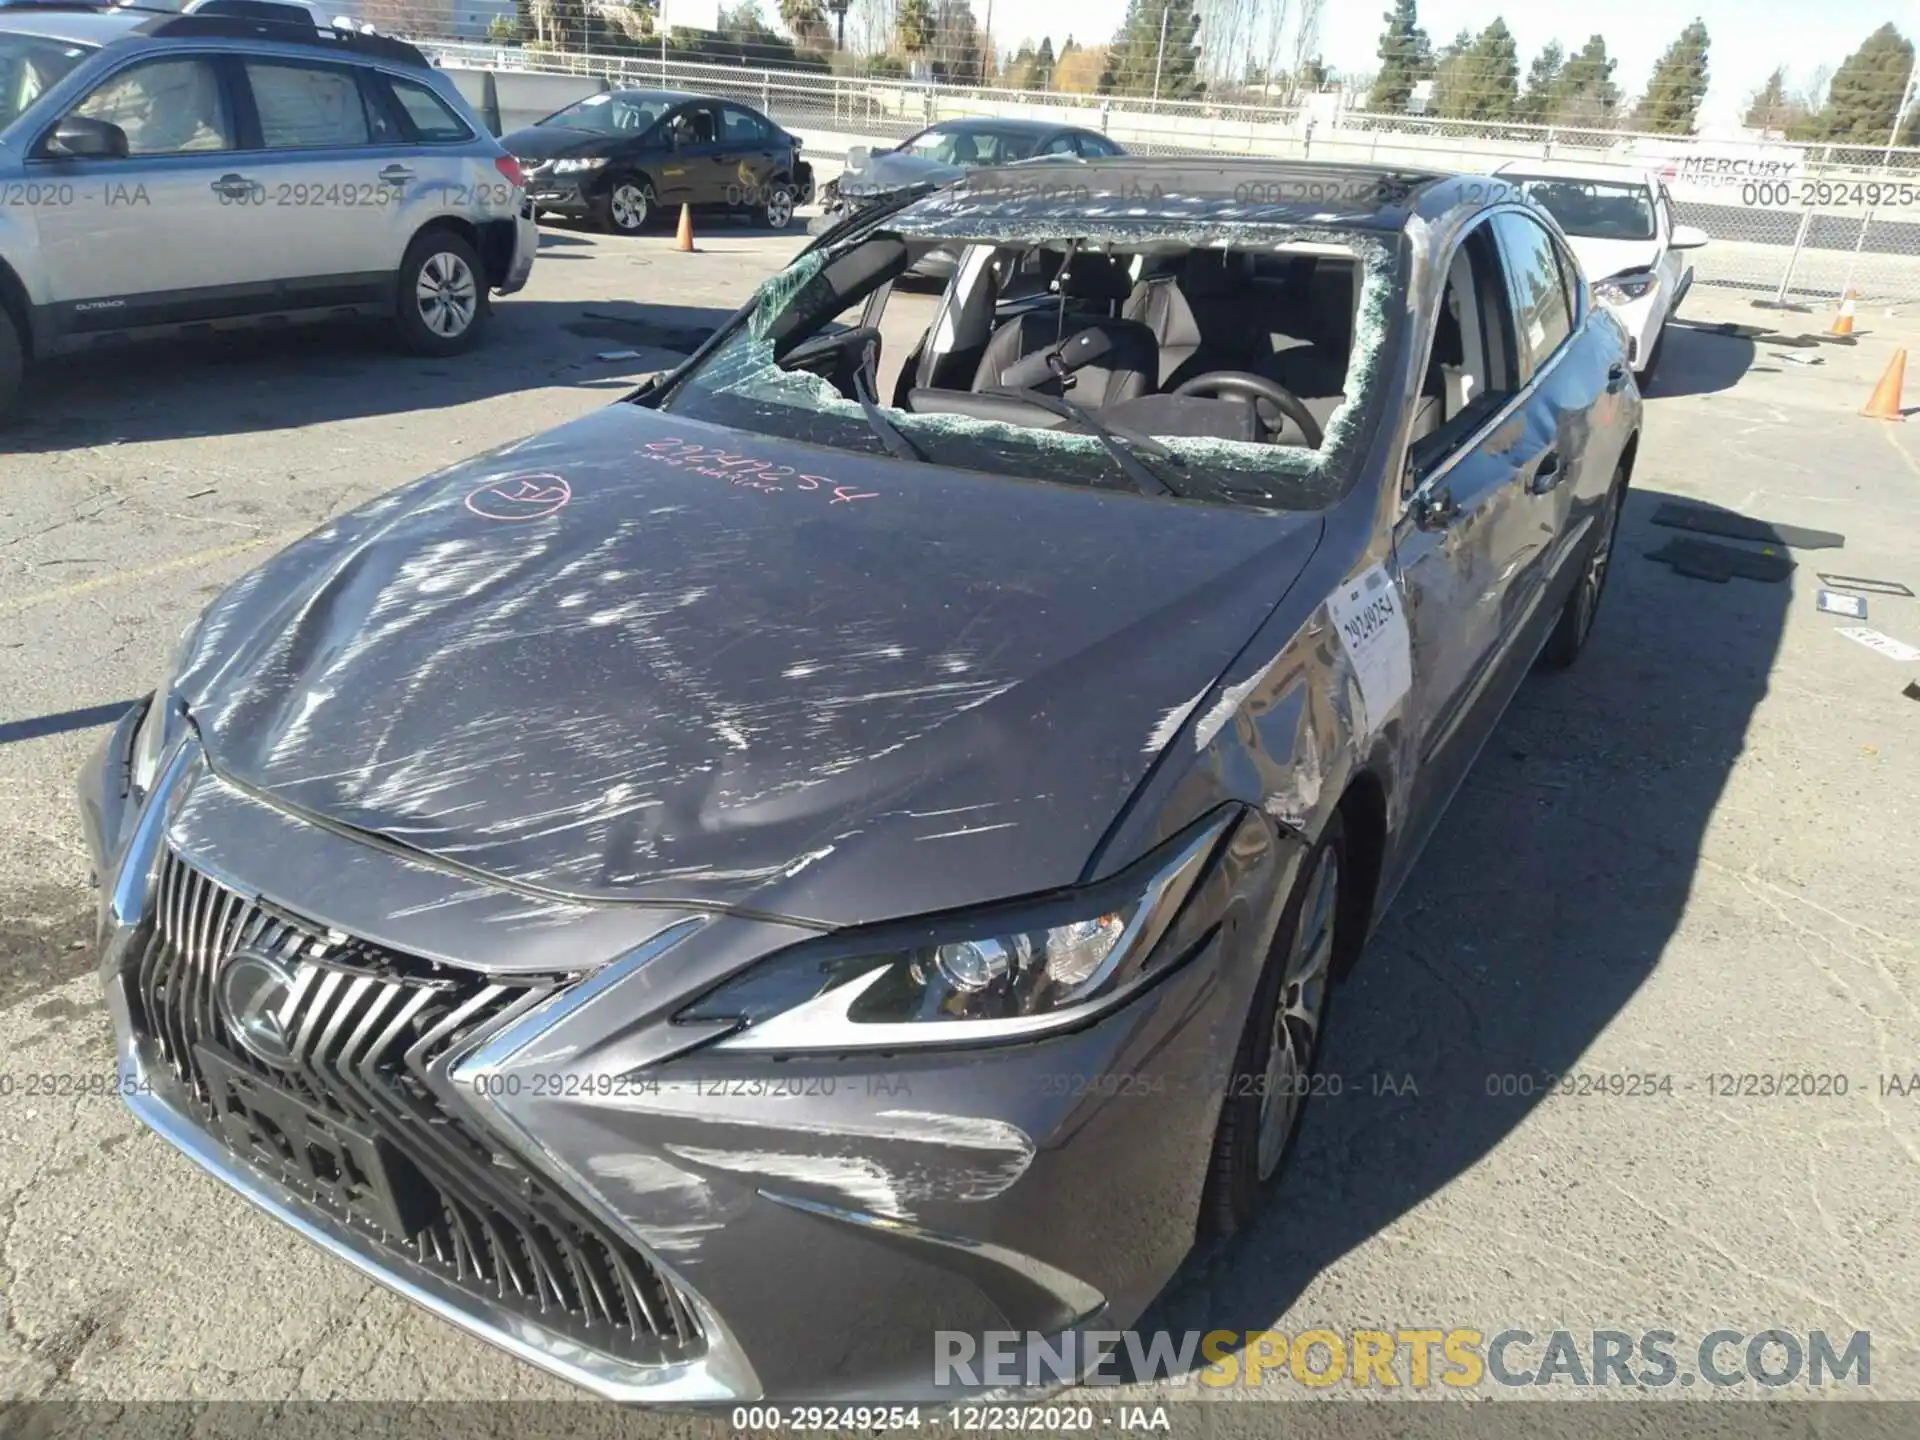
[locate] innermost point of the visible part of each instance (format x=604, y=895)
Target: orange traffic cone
x=1843, y=322
x=685, y=242
x=1885, y=402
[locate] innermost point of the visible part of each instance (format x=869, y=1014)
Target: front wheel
x=628, y=208
x=777, y=212
x=442, y=298
x=1570, y=632
x=1273, y=1067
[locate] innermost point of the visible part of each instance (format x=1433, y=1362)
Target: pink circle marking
x=532, y=496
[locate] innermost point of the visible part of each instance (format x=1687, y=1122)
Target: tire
x=1653, y=355
x=13, y=364
x=777, y=212
x=1266, y=1094
x=442, y=295
x=628, y=207
x=1575, y=624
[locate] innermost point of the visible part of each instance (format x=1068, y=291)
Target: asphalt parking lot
x=1693, y=856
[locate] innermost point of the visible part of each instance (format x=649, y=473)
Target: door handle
x=233, y=187
x=396, y=174
x=1547, y=474
x=1616, y=377
x=1435, y=509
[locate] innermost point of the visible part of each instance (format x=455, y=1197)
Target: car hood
x=555, y=142
x=1603, y=258
x=863, y=690
x=887, y=171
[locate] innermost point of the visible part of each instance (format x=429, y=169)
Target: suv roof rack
x=282, y=32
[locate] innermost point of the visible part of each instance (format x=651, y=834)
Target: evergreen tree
x=1135, y=55
x=807, y=20
x=1864, y=97
x=1586, y=97
x=1479, y=76
x=1450, y=99
x=913, y=26
x=1042, y=78
x=1543, y=82
x=1678, y=85
x=1406, y=58
x=1768, y=108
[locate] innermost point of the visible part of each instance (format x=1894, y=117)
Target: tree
x=1450, y=100
x=1586, y=97
x=1406, y=58
x=1043, y=63
x=960, y=56
x=1478, y=76
x=1080, y=69
x=913, y=27
x=807, y=19
x=1136, y=57
x=1671, y=103
x=1767, y=108
x=1864, y=96
x=1543, y=83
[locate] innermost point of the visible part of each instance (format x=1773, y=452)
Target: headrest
x=1096, y=277
x=1207, y=272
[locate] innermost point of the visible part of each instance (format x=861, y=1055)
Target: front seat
x=1198, y=317
x=1108, y=360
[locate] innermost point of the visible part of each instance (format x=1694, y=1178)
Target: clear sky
x=1749, y=37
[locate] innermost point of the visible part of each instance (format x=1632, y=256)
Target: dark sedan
x=618, y=158
x=943, y=153
x=729, y=894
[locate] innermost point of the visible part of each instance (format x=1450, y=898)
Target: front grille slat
x=383, y=1139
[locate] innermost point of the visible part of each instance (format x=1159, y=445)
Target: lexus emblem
x=256, y=997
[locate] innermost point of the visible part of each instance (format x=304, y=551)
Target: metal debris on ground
x=1861, y=582
x=618, y=355
x=1744, y=527
x=1888, y=646
x=1912, y=692
x=1797, y=359
x=1834, y=602
x=1705, y=560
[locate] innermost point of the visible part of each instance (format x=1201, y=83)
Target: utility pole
x=989, y=60
x=1160, y=56
x=1900, y=115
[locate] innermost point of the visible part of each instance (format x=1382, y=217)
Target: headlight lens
x=1620, y=289
x=163, y=721
x=980, y=982
x=574, y=167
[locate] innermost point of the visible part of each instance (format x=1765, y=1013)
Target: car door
x=751, y=154
x=1469, y=538
x=163, y=234
x=334, y=173
x=1673, y=264
x=692, y=172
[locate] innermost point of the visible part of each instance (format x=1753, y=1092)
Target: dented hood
x=620, y=662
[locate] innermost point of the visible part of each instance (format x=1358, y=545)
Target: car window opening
x=1236, y=366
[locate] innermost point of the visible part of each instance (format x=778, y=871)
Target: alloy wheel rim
x=1297, y=1012
x=447, y=294
x=779, y=209
x=629, y=206
x=1595, y=579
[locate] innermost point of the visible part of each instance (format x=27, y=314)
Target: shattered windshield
x=615, y=114
x=1233, y=363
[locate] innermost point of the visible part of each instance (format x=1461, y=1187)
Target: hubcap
x=1595, y=580
x=1296, y=1016
x=779, y=209
x=447, y=294
x=629, y=206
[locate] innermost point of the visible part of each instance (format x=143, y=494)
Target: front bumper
x=561, y=194
x=526, y=246
x=1033, y=1188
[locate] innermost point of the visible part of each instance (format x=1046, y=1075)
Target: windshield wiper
x=897, y=444
x=1122, y=444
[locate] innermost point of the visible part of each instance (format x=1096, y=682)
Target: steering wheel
x=1248, y=386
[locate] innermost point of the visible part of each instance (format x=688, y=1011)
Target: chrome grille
x=356, y=1117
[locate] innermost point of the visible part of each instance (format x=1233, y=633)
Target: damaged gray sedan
x=774, y=849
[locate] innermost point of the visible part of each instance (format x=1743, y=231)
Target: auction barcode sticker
x=1367, y=612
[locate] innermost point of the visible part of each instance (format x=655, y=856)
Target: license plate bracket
x=340, y=1163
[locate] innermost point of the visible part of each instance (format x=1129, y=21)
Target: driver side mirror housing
x=1688, y=237
x=82, y=138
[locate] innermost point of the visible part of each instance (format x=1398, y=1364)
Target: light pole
x=1160, y=56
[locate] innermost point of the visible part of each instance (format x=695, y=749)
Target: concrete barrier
x=521, y=97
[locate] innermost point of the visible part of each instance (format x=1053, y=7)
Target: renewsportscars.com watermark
x=1407, y=1359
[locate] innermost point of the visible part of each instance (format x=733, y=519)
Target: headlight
x=1017, y=974
x=1620, y=289
x=574, y=167
x=162, y=724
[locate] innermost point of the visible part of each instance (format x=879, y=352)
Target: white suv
x=162, y=173
x=1619, y=223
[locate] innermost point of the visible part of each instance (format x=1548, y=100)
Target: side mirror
x=79, y=137
x=858, y=156
x=1688, y=237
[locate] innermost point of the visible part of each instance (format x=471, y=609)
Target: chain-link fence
x=1788, y=222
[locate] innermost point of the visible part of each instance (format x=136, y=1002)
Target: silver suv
x=162, y=173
